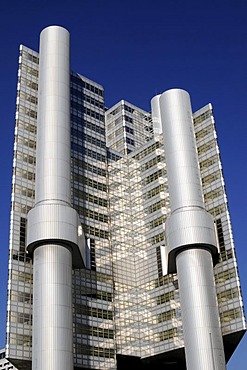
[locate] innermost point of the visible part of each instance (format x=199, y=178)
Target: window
x=165, y=297
x=203, y=117
x=168, y=334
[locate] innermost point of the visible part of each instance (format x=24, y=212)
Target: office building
x=121, y=248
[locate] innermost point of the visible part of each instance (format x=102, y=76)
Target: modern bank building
x=121, y=248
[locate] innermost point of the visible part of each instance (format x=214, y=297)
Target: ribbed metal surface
x=56, y=222
x=53, y=221
x=52, y=229
x=189, y=222
x=189, y=230
x=190, y=226
x=202, y=334
x=52, y=308
x=53, y=130
x=183, y=175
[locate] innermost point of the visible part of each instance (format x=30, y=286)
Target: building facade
x=116, y=298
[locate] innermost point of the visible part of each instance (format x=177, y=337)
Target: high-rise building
x=121, y=249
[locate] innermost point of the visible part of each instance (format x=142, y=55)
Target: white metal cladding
x=189, y=223
x=53, y=226
x=52, y=218
x=203, y=338
x=194, y=226
x=186, y=227
x=53, y=222
x=53, y=127
x=183, y=176
x=189, y=229
x=52, y=308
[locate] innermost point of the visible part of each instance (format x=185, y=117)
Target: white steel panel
x=190, y=236
x=190, y=226
x=202, y=334
x=180, y=150
x=189, y=223
x=54, y=230
x=52, y=222
x=53, y=127
x=52, y=308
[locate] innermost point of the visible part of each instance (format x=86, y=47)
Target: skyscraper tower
x=121, y=250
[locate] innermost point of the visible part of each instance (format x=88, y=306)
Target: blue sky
x=137, y=49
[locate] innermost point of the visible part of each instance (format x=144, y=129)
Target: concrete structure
x=121, y=249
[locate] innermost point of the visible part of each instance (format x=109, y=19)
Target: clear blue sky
x=137, y=49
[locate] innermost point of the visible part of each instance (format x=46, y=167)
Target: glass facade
x=126, y=307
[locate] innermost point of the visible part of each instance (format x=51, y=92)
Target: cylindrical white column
x=190, y=236
x=52, y=229
x=53, y=128
x=52, y=308
x=202, y=334
x=180, y=150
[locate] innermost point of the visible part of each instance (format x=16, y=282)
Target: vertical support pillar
x=53, y=235
x=190, y=236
